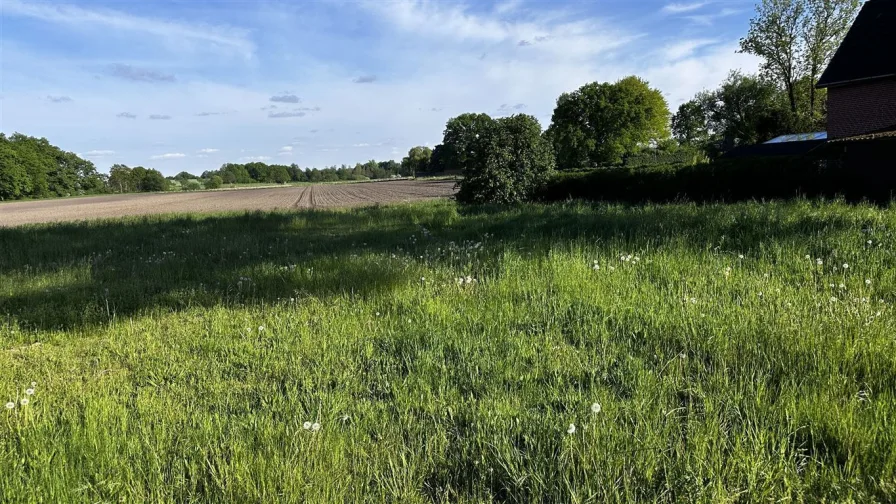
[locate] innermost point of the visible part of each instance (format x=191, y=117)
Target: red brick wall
x=856, y=109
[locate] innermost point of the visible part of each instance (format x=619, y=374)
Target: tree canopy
x=601, y=122
x=504, y=161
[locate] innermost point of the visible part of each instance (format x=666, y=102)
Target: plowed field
x=312, y=196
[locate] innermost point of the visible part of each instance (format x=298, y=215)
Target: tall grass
x=445, y=356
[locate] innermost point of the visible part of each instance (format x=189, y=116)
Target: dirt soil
x=304, y=197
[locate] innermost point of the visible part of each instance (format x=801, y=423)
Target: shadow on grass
x=67, y=276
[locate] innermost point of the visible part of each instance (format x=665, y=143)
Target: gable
x=869, y=49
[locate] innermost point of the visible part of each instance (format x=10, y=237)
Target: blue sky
x=191, y=84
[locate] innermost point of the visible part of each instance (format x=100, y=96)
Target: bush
x=508, y=162
x=214, y=182
x=682, y=157
x=725, y=180
x=192, y=185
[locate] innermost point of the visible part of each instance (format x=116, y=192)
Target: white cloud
x=361, y=145
x=207, y=151
x=170, y=155
x=286, y=148
x=710, y=19
x=678, y=8
x=255, y=158
x=685, y=48
x=218, y=37
x=99, y=153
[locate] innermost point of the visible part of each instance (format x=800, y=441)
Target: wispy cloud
x=361, y=145
x=524, y=43
x=126, y=115
x=170, y=155
x=286, y=98
x=364, y=79
x=710, y=19
x=158, y=117
x=684, y=48
x=59, y=99
x=679, y=8
x=281, y=115
x=131, y=73
x=507, y=109
x=176, y=33
x=99, y=153
x=206, y=114
x=255, y=158
x=207, y=151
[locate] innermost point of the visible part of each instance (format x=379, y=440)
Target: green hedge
x=731, y=180
x=683, y=157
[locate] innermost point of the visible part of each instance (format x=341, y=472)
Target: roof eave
x=822, y=85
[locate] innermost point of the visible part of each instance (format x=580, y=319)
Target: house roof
x=798, y=148
x=867, y=51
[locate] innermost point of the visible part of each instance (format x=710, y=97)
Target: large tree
x=796, y=39
x=507, y=161
x=745, y=109
x=416, y=161
x=601, y=122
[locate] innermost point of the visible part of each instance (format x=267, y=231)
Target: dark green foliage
x=214, y=182
x=507, y=161
x=417, y=160
x=123, y=179
x=192, y=185
x=33, y=168
x=601, y=122
x=723, y=180
x=685, y=156
x=744, y=110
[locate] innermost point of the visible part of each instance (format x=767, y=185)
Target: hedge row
x=683, y=157
x=731, y=180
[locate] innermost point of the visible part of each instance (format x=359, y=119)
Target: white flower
x=808, y=256
x=10, y=405
x=315, y=427
x=260, y=328
x=869, y=242
x=595, y=408
x=819, y=261
x=740, y=256
x=422, y=279
x=306, y=425
x=23, y=401
x=29, y=391
x=867, y=281
x=845, y=266
x=571, y=429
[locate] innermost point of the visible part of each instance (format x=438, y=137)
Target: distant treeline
x=33, y=168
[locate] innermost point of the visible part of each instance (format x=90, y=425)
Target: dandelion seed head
x=23, y=401
x=306, y=425
x=571, y=429
x=10, y=405
x=845, y=266
x=595, y=408
x=867, y=281
x=33, y=384
x=740, y=256
x=315, y=427
x=29, y=391
x=819, y=261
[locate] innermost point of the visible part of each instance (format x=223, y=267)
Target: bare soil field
x=312, y=196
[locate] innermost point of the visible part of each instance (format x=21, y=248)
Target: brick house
x=861, y=77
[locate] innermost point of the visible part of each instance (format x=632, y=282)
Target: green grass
x=177, y=358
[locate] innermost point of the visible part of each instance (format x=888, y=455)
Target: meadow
x=427, y=352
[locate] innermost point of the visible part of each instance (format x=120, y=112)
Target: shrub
x=192, y=185
x=508, y=162
x=214, y=182
x=725, y=180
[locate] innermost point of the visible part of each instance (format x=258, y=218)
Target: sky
x=191, y=84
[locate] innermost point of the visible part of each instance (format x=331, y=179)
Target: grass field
x=422, y=352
